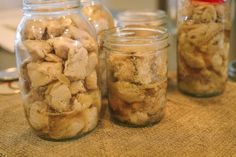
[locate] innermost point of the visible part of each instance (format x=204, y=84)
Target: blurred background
x=10, y=14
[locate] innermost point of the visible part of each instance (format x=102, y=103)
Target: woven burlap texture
x=191, y=128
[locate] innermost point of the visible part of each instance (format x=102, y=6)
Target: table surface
x=191, y=127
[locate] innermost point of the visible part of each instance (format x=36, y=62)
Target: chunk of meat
x=97, y=101
x=41, y=74
x=143, y=70
x=81, y=23
x=92, y=81
x=122, y=68
x=75, y=67
x=58, y=97
x=63, y=79
x=209, y=14
x=77, y=87
x=127, y=91
x=34, y=29
x=63, y=45
x=38, y=117
x=38, y=49
x=66, y=127
x=91, y=119
x=52, y=58
x=85, y=38
x=194, y=59
x=92, y=63
x=24, y=77
x=57, y=27
x=139, y=118
x=85, y=100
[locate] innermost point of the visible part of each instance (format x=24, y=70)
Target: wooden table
x=191, y=128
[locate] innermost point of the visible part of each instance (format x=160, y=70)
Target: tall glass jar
x=57, y=57
x=203, y=46
x=136, y=74
x=142, y=19
x=98, y=15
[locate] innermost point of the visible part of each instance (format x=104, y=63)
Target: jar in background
x=57, y=57
x=136, y=74
x=203, y=46
x=98, y=15
x=142, y=19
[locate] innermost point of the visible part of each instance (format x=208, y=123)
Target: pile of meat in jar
x=137, y=87
x=59, y=78
x=203, y=46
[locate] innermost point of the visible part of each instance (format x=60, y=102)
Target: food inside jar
x=203, y=47
x=99, y=16
x=137, y=87
x=59, y=79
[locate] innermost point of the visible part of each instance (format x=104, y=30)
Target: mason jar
x=152, y=19
x=203, y=46
x=57, y=58
x=136, y=74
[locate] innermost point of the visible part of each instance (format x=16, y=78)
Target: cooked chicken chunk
x=122, y=68
x=75, y=67
x=63, y=45
x=58, y=97
x=92, y=63
x=38, y=49
x=85, y=100
x=77, y=87
x=52, y=58
x=34, y=29
x=143, y=70
x=86, y=39
x=80, y=23
x=38, y=117
x=42, y=73
x=91, y=119
x=92, y=81
x=57, y=27
x=66, y=127
x=127, y=91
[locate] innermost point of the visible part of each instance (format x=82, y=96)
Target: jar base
x=124, y=123
x=43, y=137
x=198, y=95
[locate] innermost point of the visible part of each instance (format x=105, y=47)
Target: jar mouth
x=141, y=16
x=136, y=37
x=41, y=6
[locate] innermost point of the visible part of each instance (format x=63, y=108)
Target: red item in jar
x=211, y=1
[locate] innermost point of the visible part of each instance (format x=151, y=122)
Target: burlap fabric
x=191, y=128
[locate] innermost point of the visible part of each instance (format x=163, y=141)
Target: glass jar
x=98, y=15
x=203, y=46
x=57, y=58
x=136, y=74
x=142, y=19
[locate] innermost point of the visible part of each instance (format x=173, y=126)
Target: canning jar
x=142, y=19
x=136, y=74
x=98, y=15
x=57, y=58
x=203, y=46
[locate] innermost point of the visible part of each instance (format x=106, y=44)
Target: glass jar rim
x=122, y=36
x=141, y=16
x=49, y=5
